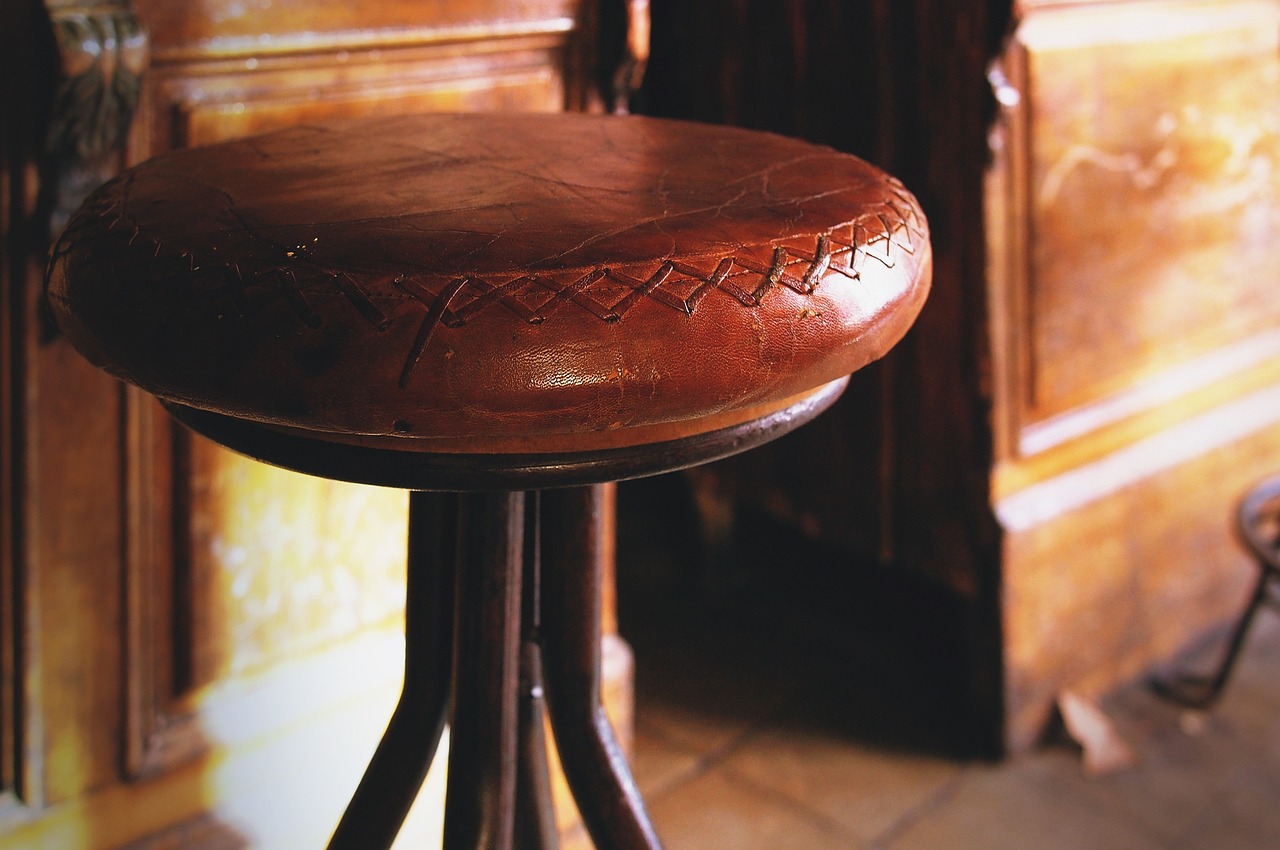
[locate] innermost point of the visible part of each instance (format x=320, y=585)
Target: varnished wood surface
x=480, y=801
x=594, y=763
x=1098, y=361
x=131, y=703
x=209, y=28
x=221, y=70
x=1150, y=160
x=1137, y=383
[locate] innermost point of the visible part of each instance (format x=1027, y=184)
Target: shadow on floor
x=845, y=650
x=807, y=705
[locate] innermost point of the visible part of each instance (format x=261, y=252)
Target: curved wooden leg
x=593, y=763
x=535, y=815
x=1202, y=691
x=535, y=827
x=480, y=793
x=395, y=774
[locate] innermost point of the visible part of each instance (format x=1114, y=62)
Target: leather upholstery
x=473, y=276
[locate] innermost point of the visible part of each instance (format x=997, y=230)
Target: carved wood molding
x=102, y=53
x=162, y=731
x=12, y=668
x=21, y=252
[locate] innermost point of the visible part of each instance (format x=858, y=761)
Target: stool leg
x=535, y=827
x=480, y=794
x=1196, y=691
x=593, y=762
x=400, y=763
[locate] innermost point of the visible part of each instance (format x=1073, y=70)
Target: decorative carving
x=630, y=72
x=102, y=52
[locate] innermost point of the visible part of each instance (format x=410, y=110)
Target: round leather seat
x=493, y=283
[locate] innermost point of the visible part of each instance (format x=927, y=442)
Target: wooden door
x=197, y=650
x=1132, y=213
x=1095, y=380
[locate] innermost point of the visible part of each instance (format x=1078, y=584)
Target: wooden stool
x=504, y=309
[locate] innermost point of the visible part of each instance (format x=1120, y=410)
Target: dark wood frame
x=162, y=729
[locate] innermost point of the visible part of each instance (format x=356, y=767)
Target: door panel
x=1151, y=145
x=198, y=650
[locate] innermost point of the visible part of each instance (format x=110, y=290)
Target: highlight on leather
x=479, y=275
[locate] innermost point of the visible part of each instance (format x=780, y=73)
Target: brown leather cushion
x=492, y=275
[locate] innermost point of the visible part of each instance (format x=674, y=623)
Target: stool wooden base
x=496, y=616
x=502, y=626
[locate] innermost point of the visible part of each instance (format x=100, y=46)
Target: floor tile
x=1013, y=809
x=659, y=763
x=717, y=812
x=866, y=792
x=1241, y=817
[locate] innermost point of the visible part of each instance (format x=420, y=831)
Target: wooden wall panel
x=898, y=473
x=1132, y=216
x=20, y=767
x=60, y=477
x=76, y=516
x=173, y=618
x=205, y=101
x=285, y=565
x=256, y=27
x=157, y=646
x=1151, y=173
x=236, y=567
x=1125, y=580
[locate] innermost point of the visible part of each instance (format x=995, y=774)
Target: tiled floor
x=762, y=725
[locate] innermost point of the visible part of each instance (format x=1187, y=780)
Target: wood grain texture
x=113, y=665
x=207, y=84
x=212, y=28
x=77, y=486
x=1137, y=383
x=1162, y=569
x=1150, y=159
x=904, y=85
x=1101, y=333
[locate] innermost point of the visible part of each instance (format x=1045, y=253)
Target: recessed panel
x=270, y=566
x=1154, y=141
x=210, y=27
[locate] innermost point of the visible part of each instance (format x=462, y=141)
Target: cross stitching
x=608, y=293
